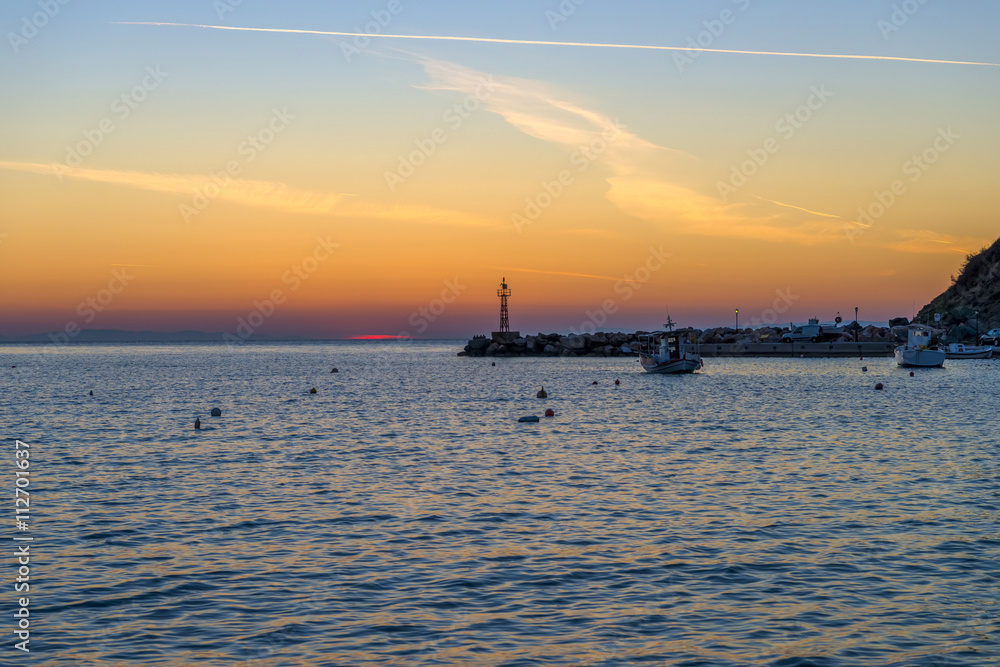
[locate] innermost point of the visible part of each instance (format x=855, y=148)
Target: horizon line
x=497, y=40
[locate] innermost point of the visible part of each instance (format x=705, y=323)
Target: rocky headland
x=975, y=289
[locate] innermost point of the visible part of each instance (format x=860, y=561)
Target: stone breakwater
x=554, y=345
x=602, y=344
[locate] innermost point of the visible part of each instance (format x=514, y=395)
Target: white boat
x=960, y=351
x=672, y=355
x=917, y=351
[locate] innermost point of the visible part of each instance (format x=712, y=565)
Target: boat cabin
x=918, y=338
x=671, y=344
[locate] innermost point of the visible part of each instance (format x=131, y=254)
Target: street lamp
x=857, y=323
x=977, y=328
x=737, y=320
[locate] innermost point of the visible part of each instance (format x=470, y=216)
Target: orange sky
x=389, y=193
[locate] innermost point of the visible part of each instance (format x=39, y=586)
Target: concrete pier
x=868, y=349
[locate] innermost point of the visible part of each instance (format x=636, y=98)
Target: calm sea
x=760, y=512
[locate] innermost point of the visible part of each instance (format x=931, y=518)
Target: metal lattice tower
x=503, y=293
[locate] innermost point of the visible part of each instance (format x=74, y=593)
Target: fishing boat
x=917, y=350
x=667, y=352
x=960, y=351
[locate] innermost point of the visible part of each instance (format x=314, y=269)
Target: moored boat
x=960, y=351
x=671, y=355
x=917, y=350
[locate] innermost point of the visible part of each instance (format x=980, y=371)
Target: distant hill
x=976, y=288
x=118, y=336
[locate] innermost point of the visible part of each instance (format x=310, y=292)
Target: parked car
x=991, y=337
x=814, y=332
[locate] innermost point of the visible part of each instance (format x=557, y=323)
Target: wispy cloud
x=262, y=194
x=649, y=182
x=534, y=42
x=934, y=243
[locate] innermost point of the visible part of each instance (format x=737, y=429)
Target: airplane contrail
x=799, y=208
x=494, y=40
x=565, y=273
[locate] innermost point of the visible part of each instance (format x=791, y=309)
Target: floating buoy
x=493, y=364
x=594, y=382
x=313, y=390
x=864, y=369
x=529, y=418
x=617, y=381
x=879, y=386
x=91, y=392
x=541, y=393
x=911, y=373
x=197, y=423
x=550, y=413
x=14, y=366
x=335, y=371
x=216, y=412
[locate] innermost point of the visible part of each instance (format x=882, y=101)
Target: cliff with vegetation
x=976, y=288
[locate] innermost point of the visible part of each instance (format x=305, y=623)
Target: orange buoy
x=550, y=413
x=618, y=381
x=879, y=386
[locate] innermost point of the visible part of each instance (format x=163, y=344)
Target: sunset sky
x=169, y=177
